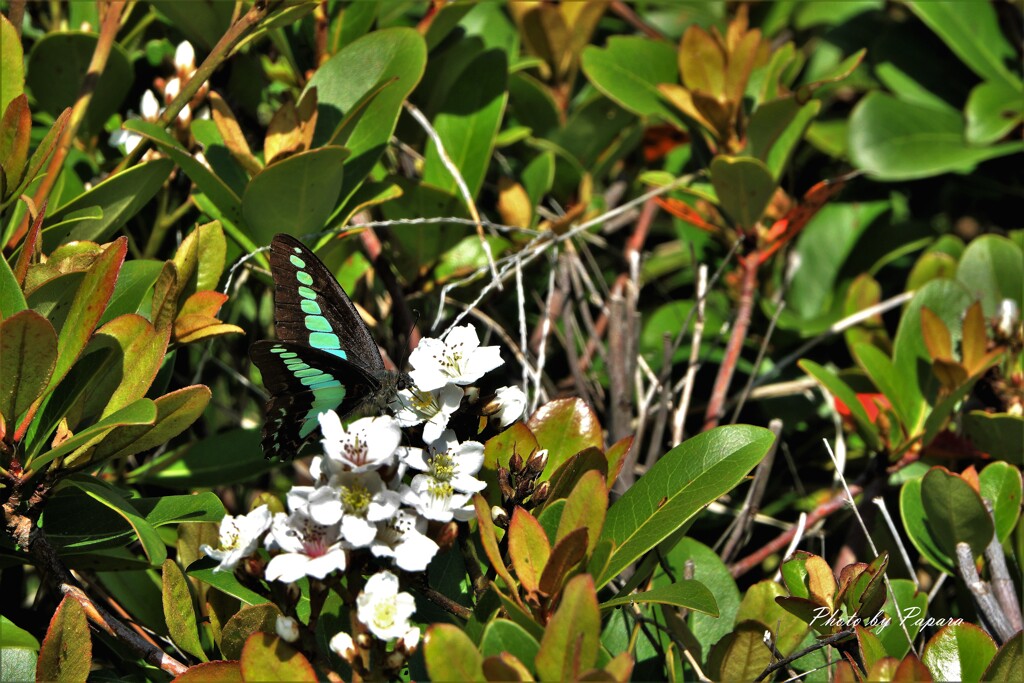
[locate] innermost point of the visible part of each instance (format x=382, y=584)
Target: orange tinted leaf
x=66, y=652
x=528, y=548
x=585, y=509
x=566, y=554
x=489, y=540
x=266, y=657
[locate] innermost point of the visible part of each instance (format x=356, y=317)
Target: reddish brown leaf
x=528, y=548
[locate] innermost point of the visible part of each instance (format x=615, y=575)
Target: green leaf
x=209, y=183
x=226, y=582
x=572, y=638
x=202, y=23
x=958, y=652
x=894, y=140
x=564, y=427
x=1000, y=484
x=502, y=635
x=681, y=484
x=955, y=513
x=88, y=306
x=151, y=543
x=174, y=413
x=971, y=30
x=628, y=71
x=744, y=186
x=141, y=412
x=12, y=64
x=759, y=604
x=902, y=393
x=120, y=197
x=12, y=636
x=219, y=672
x=450, y=655
x=230, y=457
x=687, y=594
x=1001, y=435
x=585, y=508
x=992, y=269
x=919, y=530
x=28, y=352
x=66, y=653
x=138, y=352
x=911, y=359
x=134, y=285
x=993, y=110
x=1008, y=661
x=265, y=657
x=12, y=300
x=740, y=655
x=244, y=623
x=398, y=54
x=296, y=195
x=468, y=123
x=911, y=614
x=57, y=67
x=711, y=572
x=17, y=664
x=775, y=129
x=841, y=390
x=179, y=611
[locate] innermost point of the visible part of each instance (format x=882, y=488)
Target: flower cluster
x=150, y=106
x=376, y=497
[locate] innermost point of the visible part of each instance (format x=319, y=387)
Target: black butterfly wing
x=304, y=382
x=311, y=308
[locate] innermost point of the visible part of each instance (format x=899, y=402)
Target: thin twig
x=825, y=642
x=982, y=593
x=109, y=24
x=752, y=503
x=460, y=182
x=679, y=418
x=880, y=502
x=732, y=350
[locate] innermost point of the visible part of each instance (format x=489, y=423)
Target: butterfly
x=324, y=359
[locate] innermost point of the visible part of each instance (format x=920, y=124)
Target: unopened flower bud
x=515, y=463
x=394, y=660
x=499, y=517
x=538, y=461
x=505, y=483
x=541, y=493
x=1009, y=318
x=364, y=641
x=287, y=628
x=343, y=646
x=447, y=536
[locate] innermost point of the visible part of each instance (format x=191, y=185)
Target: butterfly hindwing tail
x=303, y=382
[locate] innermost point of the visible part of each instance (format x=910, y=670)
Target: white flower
x=452, y=462
x=444, y=491
x=287, y=628
x=367, y=443
x=129, y=140
x=358, y=500
x=343, y=646
x=412, y=407
x=383, y=609
x=185, y=57
x=410, y=639
x=459, y=359
x=239, y=537
x=310, y=548
x=511, y=403
x=402, y=538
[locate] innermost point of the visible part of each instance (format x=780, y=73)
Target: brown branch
x=442, y=600
x=45, y=558
x=778, y=543
x=831, y=640
x=109, y=25
x=626, y=13
x=732, y=351
x=752, y=503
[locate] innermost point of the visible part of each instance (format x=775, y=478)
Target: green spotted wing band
x=325, y=357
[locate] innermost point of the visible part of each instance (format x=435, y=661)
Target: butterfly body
x=325, y=357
